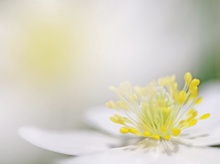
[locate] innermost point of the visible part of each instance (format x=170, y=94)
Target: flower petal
x=98, y=117
x=202, y=155
x=70, y=143
x=191, y=155
x=151, y=153
x=201, y=139
x=135, y=154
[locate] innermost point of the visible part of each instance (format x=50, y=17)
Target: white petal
x=70, y=143
x=151, y=153
x=192, y=155
x=202, y=141
x=99, y=118
x=127, y=155
x=203, y=155
x=212, y=137
x=174, y=158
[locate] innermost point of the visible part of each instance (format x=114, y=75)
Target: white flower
x=161, y=120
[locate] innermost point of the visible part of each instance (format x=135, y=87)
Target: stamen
x=167, y=137
x=155, y=136
x=188, y=78
x=194, y=84
x=124, y=130
x=147, y=134
x=133, y=130
x=176, y=131
x=181, y=97
x=198, y=101
x=113, y=119
x=159, y=110
x=193, y=122
x=205, y=116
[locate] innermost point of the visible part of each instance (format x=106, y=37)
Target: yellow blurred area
x=48, y=50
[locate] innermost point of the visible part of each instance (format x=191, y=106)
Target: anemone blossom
x=158, y=124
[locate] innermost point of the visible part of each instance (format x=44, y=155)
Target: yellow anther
x=163, y=129
x=155, y=136
x=167, y=137
x=147, y=134
x=194, y=113
x=133, y=130
x=181, y=97
x=175, y=86
x=124, y=130
x=193, y=122
x=120, y=120
x=181, y=122
x=188, y=78
x=204, y=116
x=111, y=104
x=176, y=131
x=198, y=101
x=194, y=92
x=113, y=119
x=194, y=83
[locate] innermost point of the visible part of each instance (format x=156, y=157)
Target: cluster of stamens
x=159, y=110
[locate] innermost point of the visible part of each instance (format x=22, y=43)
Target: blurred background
x=58, y=57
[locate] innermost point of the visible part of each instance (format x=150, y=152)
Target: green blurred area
x=209, y=68
x=209, y=62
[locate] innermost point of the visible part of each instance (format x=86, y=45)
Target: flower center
x=159, y=110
